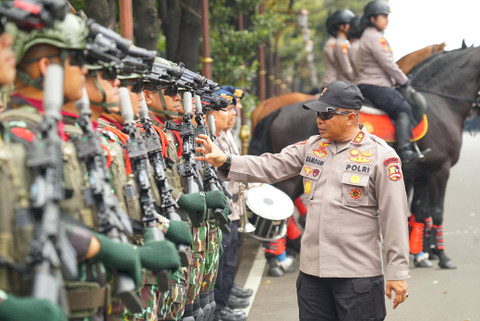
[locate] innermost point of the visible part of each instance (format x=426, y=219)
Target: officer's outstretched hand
x=194, y=204
x=121, y=257
x=158, y=255
x=215, y=199
x=28, y=308
x=212, y=153
x=400, y=288
x=178, y=232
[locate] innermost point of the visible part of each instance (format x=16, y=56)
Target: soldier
x=354, y=184
x=64, y=44
x=379, y=73
x=341, y=23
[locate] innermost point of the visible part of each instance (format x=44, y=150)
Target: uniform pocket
x=370, y=298
x=354, y=188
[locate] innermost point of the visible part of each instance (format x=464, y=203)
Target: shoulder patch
x=390, y=160
x=344, y=48
x=394, y=172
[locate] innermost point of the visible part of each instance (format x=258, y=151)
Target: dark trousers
x=341, y=299
x=387, y=99
x=226, y=267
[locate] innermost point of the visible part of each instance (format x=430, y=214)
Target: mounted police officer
x=379, y=73
x=341, y=23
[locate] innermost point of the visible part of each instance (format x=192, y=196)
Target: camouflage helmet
x=376, y=7
x=67, y=34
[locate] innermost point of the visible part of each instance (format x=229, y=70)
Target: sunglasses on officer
x=77, y=57
x=171, y=90
x=330, y=112
x=109, y=73
x=137, y=85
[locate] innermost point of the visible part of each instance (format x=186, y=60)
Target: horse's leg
x=420, y=208
x=437, y=187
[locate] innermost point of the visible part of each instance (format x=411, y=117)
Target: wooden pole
x=206, y=60
x=126, y=18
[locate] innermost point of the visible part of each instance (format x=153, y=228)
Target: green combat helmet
x=67, y=35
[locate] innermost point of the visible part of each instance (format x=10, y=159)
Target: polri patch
x=394, y=172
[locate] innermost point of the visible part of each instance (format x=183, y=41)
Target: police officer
x=341, y=23
x=354, y=34
x=354, y=184
x=379, y=73
x=330, y=73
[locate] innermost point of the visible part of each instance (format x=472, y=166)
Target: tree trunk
x=190, y=32
x=170, y=13
x=102, y=11
x=147, y=24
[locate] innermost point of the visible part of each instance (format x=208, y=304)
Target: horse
x=450, y=82
x=406, y=63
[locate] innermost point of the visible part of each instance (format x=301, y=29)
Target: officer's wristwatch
x=228, y=162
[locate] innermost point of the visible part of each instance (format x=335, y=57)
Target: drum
x=268, y=209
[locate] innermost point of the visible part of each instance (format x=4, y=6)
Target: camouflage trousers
x=172, y=302
x=212, y=258
x=198, y=263
x=117, y=311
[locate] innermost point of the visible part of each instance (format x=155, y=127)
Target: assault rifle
x=163, y=74
x=34, y=14
x=113, y=222
x=154, y=150
x=138, y=60
x=212, y=182
x=105, y=45
x=50, y=253
x=137, y=153
x=188, y=168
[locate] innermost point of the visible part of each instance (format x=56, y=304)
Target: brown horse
x=406, y=63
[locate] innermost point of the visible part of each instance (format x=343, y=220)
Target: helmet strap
x=103, y=104
x=27, y=80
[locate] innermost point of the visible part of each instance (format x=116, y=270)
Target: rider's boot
x=404, y=146
x=444, y=261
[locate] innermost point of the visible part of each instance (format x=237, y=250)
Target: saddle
x=378, y=123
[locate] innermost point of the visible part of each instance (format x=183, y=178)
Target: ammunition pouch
x=85, y=298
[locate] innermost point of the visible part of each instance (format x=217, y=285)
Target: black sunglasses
x=77, y=57
x=329, y=114
x=171, y=91
x=109, y=73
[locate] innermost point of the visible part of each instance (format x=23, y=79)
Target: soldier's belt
x=85, y=298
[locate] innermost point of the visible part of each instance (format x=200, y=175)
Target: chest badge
x=355, y=179
x=358, y=157
x=308, y=187
x=355, y=193
x=307, y=170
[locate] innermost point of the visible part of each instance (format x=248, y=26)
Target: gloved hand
x=179, y=232
x=194, y=204
x=158, y=255
x=20, y=309
x=121, y=257
x=226, y=212
x=215, y=199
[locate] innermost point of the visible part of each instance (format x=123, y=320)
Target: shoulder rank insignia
x=385, y=45
x=394, y=172
x=344, y=49
x=302, y=142
x=360, y=136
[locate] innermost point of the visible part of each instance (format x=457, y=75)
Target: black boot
x=198, y=313
x=240, y=292
x=211, y=297
x=188, y=313
x=404, y=147
x=205, y=304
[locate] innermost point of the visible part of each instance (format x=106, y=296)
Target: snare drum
x=268, y=209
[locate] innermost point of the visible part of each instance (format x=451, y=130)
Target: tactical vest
x=90, y=294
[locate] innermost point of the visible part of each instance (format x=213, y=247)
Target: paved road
x=435, y=294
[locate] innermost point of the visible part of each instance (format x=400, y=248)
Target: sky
x=415, y=24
